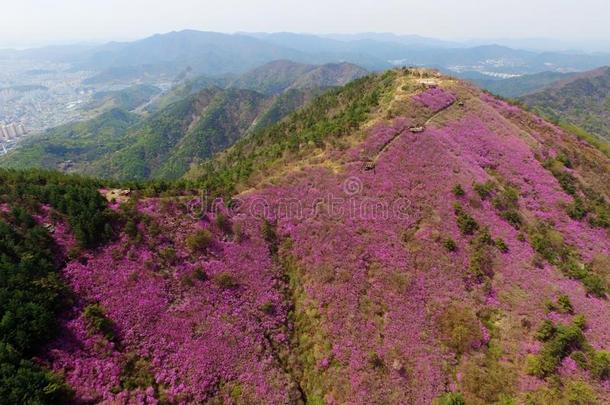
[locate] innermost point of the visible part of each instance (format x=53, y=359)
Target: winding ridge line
x=387, y=144
x=438, y=113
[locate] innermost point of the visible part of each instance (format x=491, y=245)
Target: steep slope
x=44, y=218
x=583, y=100
x=282, y=75
x=165, y=145
x=403, y=239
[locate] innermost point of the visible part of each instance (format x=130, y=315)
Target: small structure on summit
x=370, y=165
x=417, y=129
x=65, y=166
x=118, y=195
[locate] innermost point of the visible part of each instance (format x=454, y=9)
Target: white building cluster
x=11, y=131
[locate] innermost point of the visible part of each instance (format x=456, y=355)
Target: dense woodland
x=31, y=291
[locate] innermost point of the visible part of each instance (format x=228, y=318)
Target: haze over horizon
x=31, y=23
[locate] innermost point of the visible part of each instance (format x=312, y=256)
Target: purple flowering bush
x=435, y=98
x=350, y=292
x=197, y=337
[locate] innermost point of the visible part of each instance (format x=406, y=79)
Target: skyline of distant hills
x=214, y=53
x=153, y=73
x=191, y=119
x=544, y=44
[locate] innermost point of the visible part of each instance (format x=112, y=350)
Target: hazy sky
x=35, y=22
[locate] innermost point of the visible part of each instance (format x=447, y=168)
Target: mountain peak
x=413, y=236
x=400, y=239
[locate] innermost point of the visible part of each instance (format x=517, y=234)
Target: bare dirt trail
x=416, y=129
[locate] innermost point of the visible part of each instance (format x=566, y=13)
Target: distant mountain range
x=211, y=53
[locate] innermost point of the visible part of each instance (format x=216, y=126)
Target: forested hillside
x=184, y=126
x=121, y=145
x=45, y=220
x=583, y=100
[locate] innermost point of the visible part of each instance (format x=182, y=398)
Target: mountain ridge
x=478, y=252
x=400, y=239
x=165, y=55
x=282, y=75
